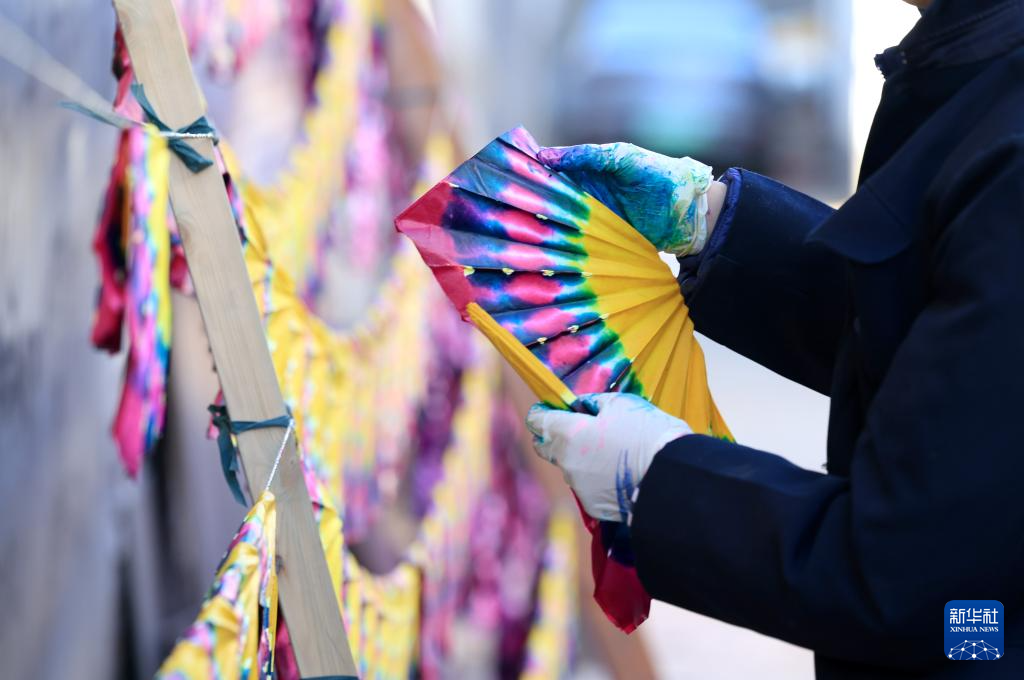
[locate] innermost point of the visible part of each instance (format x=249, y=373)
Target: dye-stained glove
x=604, y=457
x=664, y=198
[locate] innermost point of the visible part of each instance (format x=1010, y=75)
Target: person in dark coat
x=906, y=307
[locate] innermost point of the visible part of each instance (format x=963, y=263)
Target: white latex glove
x=604, y=457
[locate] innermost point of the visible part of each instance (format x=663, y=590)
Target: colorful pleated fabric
x=572, y=296
x=233, y=637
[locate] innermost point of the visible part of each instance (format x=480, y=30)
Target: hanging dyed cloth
x=233, y=637
x=141, y=295
x=548, y=646
x=357, y=394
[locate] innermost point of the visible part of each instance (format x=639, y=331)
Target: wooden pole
x=157, y=47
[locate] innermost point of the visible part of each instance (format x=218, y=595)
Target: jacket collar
x=956, y=32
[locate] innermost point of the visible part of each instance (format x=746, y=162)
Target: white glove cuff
x=670, y=434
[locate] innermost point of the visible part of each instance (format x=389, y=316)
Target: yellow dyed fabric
x=233, y=636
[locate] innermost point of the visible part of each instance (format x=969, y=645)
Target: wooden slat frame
x=159, y=56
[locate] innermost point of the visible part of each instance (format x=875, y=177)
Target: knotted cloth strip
x=200, y=127
x=229, y=453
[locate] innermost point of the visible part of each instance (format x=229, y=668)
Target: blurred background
x=783, y=87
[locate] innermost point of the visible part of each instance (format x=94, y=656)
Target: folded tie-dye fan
x=573, y=297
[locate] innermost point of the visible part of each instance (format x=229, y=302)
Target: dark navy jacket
x=906, y=306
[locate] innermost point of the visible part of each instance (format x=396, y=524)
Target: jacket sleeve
x=858, y=567
x=762, y=291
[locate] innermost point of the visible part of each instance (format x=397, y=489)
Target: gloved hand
x=604, y=457
x=664, y=198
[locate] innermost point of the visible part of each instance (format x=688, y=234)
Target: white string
x=280, y=451
x=22, y=51
x=171, y=134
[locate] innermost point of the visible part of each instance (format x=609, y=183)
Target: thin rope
x=280, y=451
x=24, y=52
x=229, y=459
x=21, y=50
